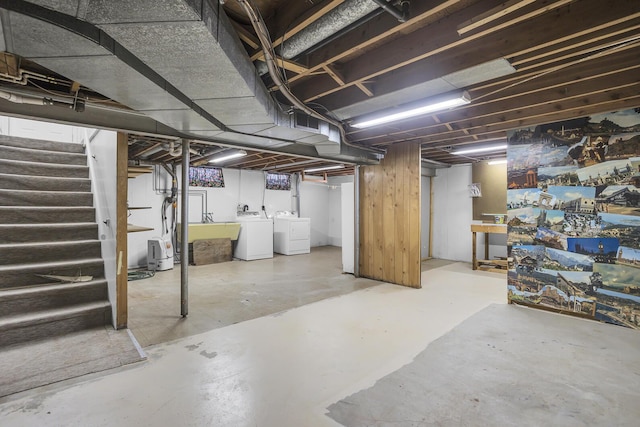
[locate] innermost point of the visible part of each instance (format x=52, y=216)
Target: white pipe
x=177, y=152
x=18, y=99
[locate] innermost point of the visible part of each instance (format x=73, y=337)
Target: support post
x=356, y=220
x=184, y=232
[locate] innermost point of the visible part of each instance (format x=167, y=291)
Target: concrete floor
x=231, y=292
x=279, y=370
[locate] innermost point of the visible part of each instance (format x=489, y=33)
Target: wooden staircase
x=47, y=227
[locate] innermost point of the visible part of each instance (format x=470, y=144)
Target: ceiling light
x=498, y=162
x=228, y=155
x=481, y=149
x=443, y=102
x=324, y=168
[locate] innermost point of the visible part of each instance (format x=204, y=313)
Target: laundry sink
x=216, y=230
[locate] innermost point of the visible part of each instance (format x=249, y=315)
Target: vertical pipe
x=356, y=221
x=298, y=178
x=184, y=232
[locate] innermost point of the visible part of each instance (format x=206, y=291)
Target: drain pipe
x=401, y=15
x=184, y=232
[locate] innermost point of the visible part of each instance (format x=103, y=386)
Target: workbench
x=487, y=229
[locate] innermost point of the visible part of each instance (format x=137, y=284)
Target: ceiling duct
x=177, y=61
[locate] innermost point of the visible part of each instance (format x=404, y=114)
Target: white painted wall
x=314, y=204
x=348, y=226
x=241, y=187
x=425, y=213
x=452, y=217
x=101, y=153
x=142, y=194
x=34, y=129
x=452, y=213
x=335, y=208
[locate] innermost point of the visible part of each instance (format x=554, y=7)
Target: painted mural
x=573, y=216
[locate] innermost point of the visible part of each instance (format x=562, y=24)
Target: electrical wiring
x=275, y=72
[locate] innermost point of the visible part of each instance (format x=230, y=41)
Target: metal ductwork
x=347, y=13
x=177, y=61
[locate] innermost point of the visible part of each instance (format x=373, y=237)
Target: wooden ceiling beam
x=393, y=55
x=492, y=14
x=495, y=98
x=600, y=103
x=291, y=18
x=140, y=152
x=617, y=32
x=528, y=107
x=245, y=35
x=375, y=31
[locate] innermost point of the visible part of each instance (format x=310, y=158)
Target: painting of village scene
x=573, y=216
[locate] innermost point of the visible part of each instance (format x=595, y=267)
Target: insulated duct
x=178, y=62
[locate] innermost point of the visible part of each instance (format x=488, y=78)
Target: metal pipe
x=184, y=232
x=356, y=221
x=298, y=179
x=400, y=15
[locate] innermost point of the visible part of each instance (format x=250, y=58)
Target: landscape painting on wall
x=573, y=216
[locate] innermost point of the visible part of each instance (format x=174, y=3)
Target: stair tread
x=46, y=207
x=50, y=314
x=16, y=141
x=25, y=291
x=43, y=151
x=46, y=178
x=52, y=192
x=50, y=265
x=71, y=225
x=48, y=243
x=44, y=164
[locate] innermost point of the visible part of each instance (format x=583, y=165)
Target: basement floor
x=341, y=359
x=231, y=292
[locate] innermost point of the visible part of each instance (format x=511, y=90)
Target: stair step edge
x=48, y=243
x=51, y=265
x=28, y=291
x=45, y=164
x=71, y=225
x=49, y=315
x=18, y=141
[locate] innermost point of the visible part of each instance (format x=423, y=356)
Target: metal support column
x=356, y=221
x=184, y=232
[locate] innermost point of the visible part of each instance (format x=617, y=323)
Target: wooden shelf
x=134, y=171
x=136, y=228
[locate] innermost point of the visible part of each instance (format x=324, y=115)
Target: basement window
x=206, y=177
x=278, y=181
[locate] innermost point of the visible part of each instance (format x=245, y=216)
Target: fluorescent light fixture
x=498, y=162
x=481, y=149
x=324, y=168
x=444, y=102
x=228, y=155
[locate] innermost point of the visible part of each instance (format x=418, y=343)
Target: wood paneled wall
x=390, y=217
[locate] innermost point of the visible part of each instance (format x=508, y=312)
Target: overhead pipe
x=176, y=152
x=401, y=15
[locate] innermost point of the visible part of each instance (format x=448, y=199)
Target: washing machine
x=255, y=240
x=291, y=235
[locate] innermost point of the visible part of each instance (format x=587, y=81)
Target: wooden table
x=487, y=229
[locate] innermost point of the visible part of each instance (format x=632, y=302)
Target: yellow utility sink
x=216, y=230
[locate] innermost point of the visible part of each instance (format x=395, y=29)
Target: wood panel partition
x=390, y=217
x=122, y=312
